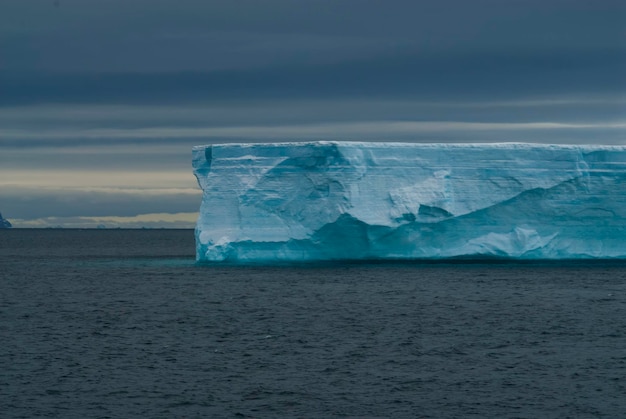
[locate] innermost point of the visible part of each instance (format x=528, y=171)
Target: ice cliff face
x=346, y=200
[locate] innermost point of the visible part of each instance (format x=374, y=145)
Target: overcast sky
x=101, y=100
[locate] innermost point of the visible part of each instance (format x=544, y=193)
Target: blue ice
x=326, y=200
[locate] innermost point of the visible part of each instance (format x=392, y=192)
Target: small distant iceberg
x=4, y=223
x=315, y=201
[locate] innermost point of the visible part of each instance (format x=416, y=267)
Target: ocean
x=124, y=323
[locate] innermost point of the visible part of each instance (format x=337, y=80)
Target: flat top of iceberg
x=378, y=144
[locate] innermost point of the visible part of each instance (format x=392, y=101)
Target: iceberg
x=4, y=223
x=333, y=200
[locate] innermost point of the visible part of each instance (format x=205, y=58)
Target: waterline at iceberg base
x=325, y=200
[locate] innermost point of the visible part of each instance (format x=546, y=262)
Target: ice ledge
x=333, y=200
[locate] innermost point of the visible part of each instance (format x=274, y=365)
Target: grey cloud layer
x=120, y=35
x=33, y=203
x=172, y=51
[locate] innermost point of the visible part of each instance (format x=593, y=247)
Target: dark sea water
x=123, y=323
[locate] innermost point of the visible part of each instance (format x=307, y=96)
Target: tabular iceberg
x=358, y=201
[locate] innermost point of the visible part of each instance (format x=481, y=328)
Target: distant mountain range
x=4, y=223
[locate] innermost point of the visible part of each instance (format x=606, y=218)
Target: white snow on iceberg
x=358, y=201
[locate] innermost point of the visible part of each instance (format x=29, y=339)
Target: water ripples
x=88, y=334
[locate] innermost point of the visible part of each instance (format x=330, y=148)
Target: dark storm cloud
x=432, y=76
x=166, y=51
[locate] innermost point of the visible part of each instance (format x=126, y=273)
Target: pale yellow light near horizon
x=137, y=181
x=152, y=220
